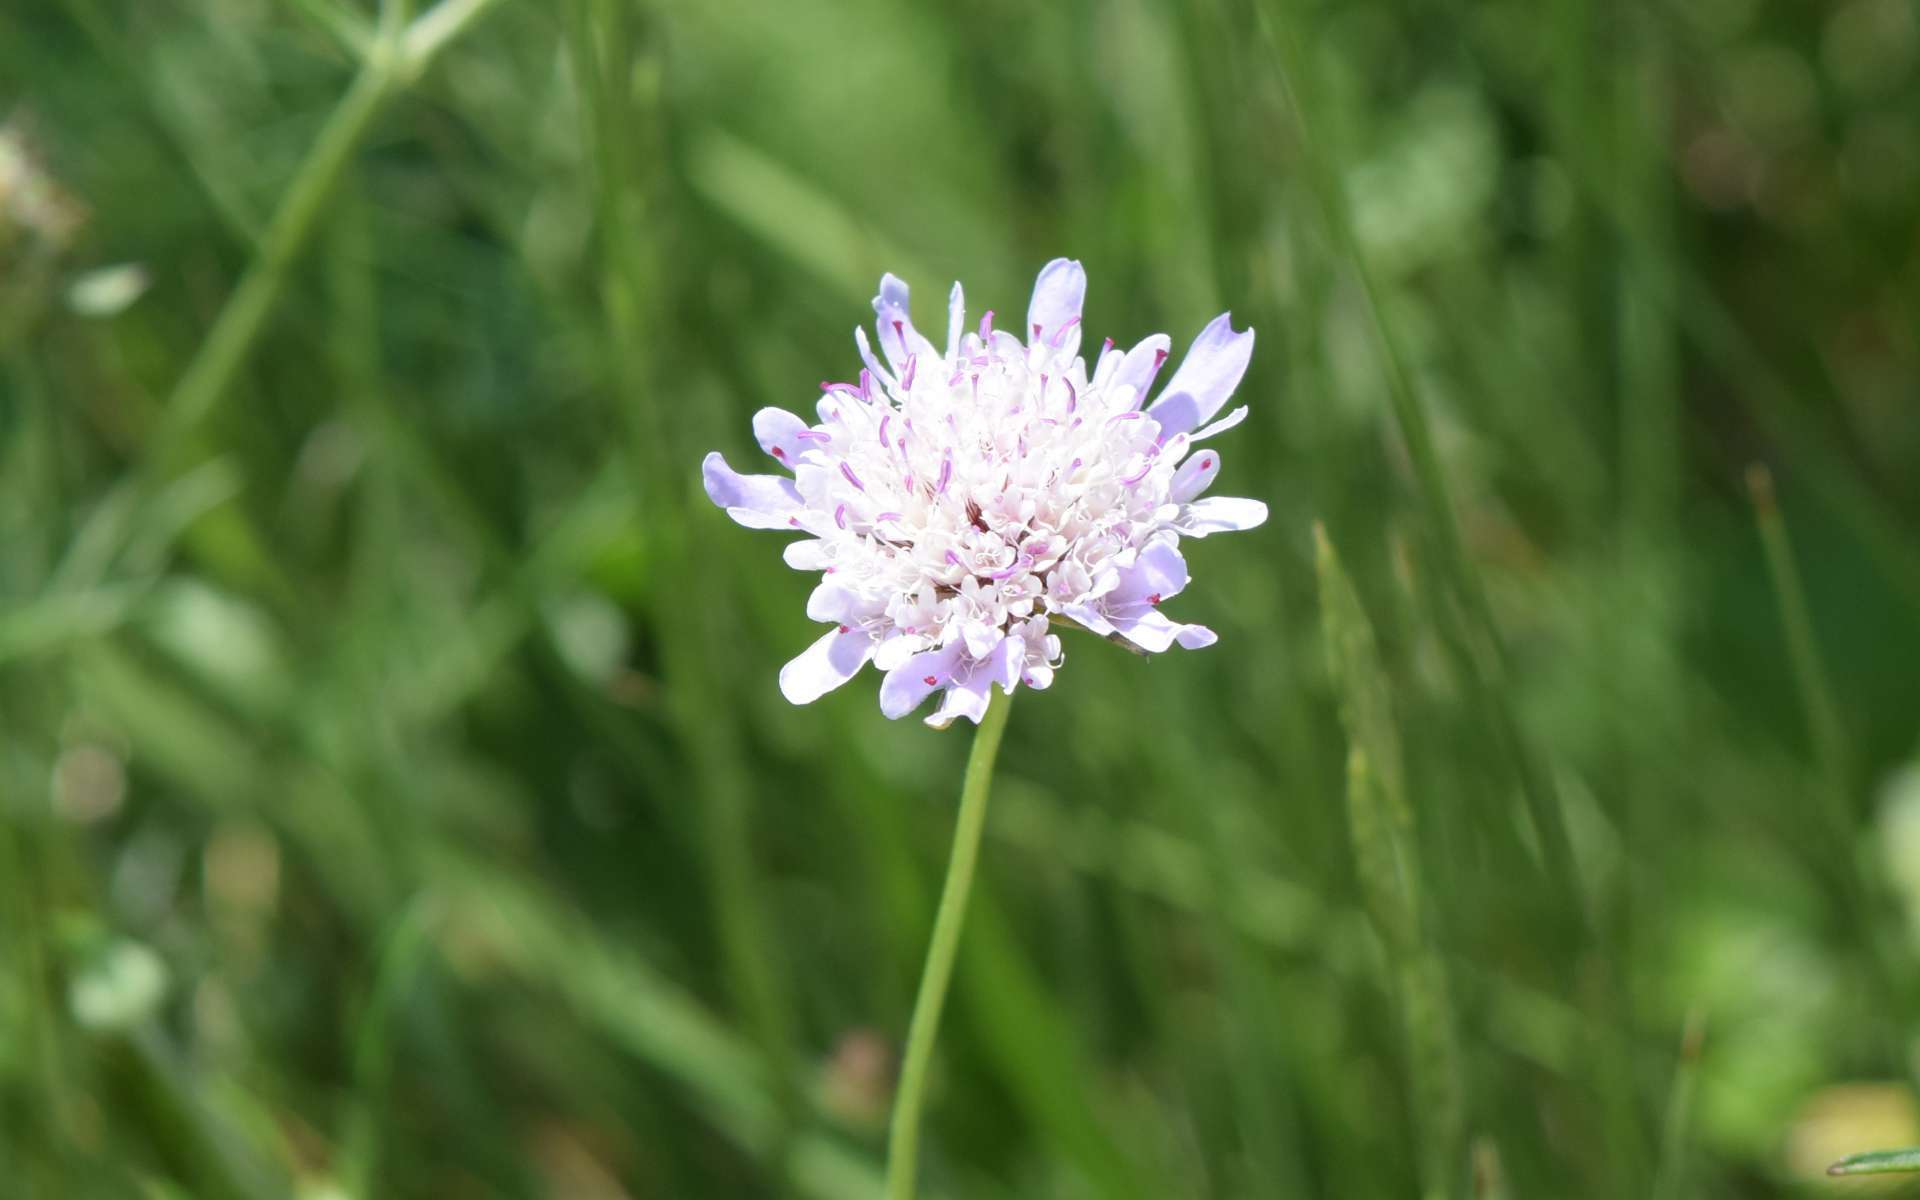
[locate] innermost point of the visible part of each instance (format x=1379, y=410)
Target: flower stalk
x=903, y=1131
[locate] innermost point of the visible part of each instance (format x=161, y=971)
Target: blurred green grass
x=397, y=797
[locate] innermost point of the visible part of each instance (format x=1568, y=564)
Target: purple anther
x=866, y=384
x=848, y=388
x=1036, y=331
x=1137, y=476
x=1073, y=401
x=1006, y=572
x=906, y=377
x=1107, y=347
x=884, y=440
x=1037, y=548
x=986, y=325
x=955, y=560
x=1125, y=416
x=851, y=477
x=1073, y=466
x=887, y=516
x=946, y=473
x=1060, y=332
x=812, y=435
x=1159, y=356
x=840, y=519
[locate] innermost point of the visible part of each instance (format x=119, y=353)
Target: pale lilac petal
x=1053, y=316
x=776, y=429
x=1003, y=665
x=1158, y=573
x=1223, y=424
x=1219, y=514
x=756, y=501
x=914, y=680
x=1140, y=365
x=1206, y=378
x=1196, y=637
x=867, y=356
x=1195, y=475
x=967, y=699
x=825, y=665
x=898, y=338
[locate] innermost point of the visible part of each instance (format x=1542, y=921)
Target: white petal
x=956, y=319
x=1219, y=514
x=825, y=665
x=808, y=555
x=833, y=602
x=1223, y=424
x=895, y=650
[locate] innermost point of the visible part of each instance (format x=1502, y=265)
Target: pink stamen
x=986, y=325
x=906, y=378
x=1061, y=332
x=848, y=388
x=851, y=477
x=1159, y=356
x=928, y=680
x=840, y=519
x=884, y=440
x=813, y=435
x=946, y=473
x=1108, y=346
x=1073, y=401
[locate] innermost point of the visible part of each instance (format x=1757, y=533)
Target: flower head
x=959, y=503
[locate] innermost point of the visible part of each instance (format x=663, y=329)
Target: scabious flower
x=960, y=503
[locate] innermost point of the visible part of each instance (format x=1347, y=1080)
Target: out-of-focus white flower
x=958, y=502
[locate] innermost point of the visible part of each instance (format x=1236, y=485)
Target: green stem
x=903, y=1134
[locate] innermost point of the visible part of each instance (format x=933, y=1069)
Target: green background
x=397, y=796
